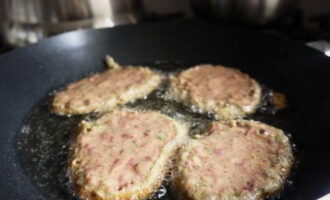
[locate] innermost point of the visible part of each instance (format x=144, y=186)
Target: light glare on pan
x=326, y=197
x=327, y=53
x=78, y=39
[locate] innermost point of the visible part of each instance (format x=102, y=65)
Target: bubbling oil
x=45, y=138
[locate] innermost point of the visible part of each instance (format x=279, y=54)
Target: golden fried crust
x=225, y=92
x=104, y=91
x=239, y=160
x=142, y=193
x=124, y=154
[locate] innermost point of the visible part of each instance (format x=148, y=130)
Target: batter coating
x=226, y=92
x=239, y=160
x=124, y=155
x=104, y=91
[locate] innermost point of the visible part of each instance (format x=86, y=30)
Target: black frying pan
x=27, y=75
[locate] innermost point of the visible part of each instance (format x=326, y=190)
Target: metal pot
x=244, y=11
x=27, y=21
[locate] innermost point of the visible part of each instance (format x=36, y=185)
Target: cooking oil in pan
x=45, y=138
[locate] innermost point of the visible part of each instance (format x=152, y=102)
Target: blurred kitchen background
x=27, y=21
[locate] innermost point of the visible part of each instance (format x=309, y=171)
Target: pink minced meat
x=240, y=160
x=124, y=153
x=103, y=91
x=226, y=92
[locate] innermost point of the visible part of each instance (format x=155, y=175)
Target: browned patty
x=124, y=154
x=239, y=160
x=104, y=91
x=226, y=92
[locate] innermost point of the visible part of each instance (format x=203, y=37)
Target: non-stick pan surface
x=27, y=75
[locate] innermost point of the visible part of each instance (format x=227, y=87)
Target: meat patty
x=238, y=160
x=124, y=154
x=226, y=92
x=102, y=92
